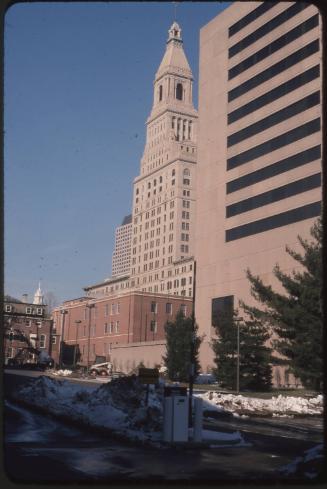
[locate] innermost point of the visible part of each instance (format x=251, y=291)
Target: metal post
x=90, y=306
x=63, y=312
x=238, y=359
x=77, y=322
x=238, y=320
x=129, y=314
x=141, y=316
x=192, y=354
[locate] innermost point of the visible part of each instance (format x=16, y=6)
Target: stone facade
x=164, y=195
x=259, y=148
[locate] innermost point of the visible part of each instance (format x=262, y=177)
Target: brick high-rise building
x=164, y=192
x=259, y=149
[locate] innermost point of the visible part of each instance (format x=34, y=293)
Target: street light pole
x=63, y=312
x=192, y=353
x=77, y=322
x=90, y=306
x=238, y=320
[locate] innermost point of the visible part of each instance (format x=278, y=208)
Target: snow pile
x=64, y=373
x=310, y=465
x=276, y=406
x=234, y=439
x=118, y=405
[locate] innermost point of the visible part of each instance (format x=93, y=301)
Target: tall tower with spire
x=164, y=192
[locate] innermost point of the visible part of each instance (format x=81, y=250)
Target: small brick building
x=120, y=327
x=29, y=320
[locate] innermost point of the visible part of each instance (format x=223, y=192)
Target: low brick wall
x=126, y=357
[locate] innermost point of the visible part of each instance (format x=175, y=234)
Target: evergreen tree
x=225, y=349
x=296, y=316
x=179, y=337
x=254, y=355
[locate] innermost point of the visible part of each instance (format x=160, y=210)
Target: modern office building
x=121, y=257
x=259, y=148
x=164, y=192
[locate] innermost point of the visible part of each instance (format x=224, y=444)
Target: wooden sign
x=148, y=375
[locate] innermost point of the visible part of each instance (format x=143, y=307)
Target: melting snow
x=309, y=465
x=118, y=405
x=276, y=406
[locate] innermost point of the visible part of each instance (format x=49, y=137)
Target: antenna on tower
x=175, y=11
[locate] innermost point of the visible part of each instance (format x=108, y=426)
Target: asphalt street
x=39, y=448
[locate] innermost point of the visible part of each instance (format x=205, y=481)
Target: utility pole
x=238, y=320
x=63, y=312
x=90, y=306
x=192, y=354
x=77, y=322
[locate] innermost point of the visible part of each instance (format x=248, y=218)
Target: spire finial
x=175, y=11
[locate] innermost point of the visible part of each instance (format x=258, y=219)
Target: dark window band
x=274, y=70
x=250, y=17
x=274, y=195
x=275, y=93
x=275, y=118
x=277, y=168
x=275, y=143
x=267, y=27
x=276, y=221
x=271, y=48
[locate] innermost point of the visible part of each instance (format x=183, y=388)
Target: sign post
x=148, y=376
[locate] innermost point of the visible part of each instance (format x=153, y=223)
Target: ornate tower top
x=174, y=61
x=38, y=296
x=175, y=33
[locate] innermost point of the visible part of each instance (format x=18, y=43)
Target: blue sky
x=78, y=90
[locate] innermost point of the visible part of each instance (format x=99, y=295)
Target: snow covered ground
x=276, y=406
x=309, y=465
x=118, y=406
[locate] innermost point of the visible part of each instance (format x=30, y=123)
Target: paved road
x=41, y=449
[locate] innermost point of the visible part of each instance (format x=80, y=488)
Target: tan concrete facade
x=121, y=257
x=223, y=255
x=164, y=196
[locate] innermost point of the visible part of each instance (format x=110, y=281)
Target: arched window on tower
x=160, y=93
x=179, y=91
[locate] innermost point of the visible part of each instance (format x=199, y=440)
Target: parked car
x=103, y=369
x=205, y=379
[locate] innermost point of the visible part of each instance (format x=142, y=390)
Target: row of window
x=250, y=17
x=274, y=195
x=274, y=46
x=272, y=222
x=274, y=70
x=267, y=27
x=275, y=143
x=275, y=118
x=274, y=94
x=109, y=327
x=274, y=169
x=28, y=310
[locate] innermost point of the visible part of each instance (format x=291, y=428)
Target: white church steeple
x=38, y=296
